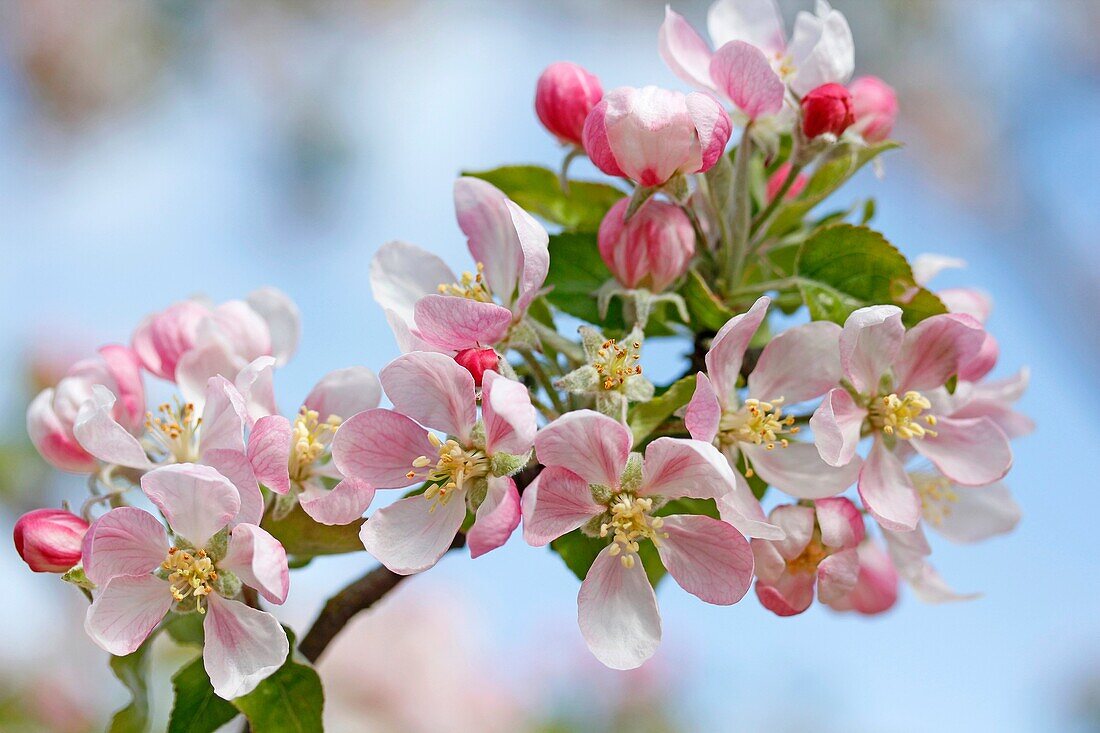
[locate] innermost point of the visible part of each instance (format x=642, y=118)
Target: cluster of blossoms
x=876, y=410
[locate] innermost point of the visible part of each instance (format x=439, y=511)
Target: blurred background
x=152, y=151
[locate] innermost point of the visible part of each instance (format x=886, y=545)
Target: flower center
x=471, y=285
x=901, y=416
x=452, y=470
x=630, y=522
x=190, y=575
x=811, y=557
x=937, y=495
x=615, y=364
x=758, y=422
x=174, y=430
x=311, y=438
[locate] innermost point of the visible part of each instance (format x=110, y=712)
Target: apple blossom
x=142, y=572
x=891, y=377
x=469, y=470
x=827, y=110
x=49, y=540
x=650, y=135
x=564, y=95
x=876, y=588
x=593, y=482
x=819, y=549
x=875, y=106
x=429, y=309
x=798, y=365
x=652, y=250
x=52, y=414
x=612, y=372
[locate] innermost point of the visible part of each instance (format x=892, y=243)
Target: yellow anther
x=189, y=575
x=937, y=495
x=311, y=439
x=902, y=416
x=615, y=364
x=450, y=471
x=630, y=521
x=173, y=431
x=759, y=422
x=471, y=285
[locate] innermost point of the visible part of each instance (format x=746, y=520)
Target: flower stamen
x=452, y=470
x=471, y=285
x=630, y=522
x=174, y=430
x=190, y=575
x=760, y=422
x=615, y=364
x=901, y=416
x=311, y=439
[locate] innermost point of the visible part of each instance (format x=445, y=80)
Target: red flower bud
x=780, y=177
x=477, y=362
x=49, y=540
x=564, y=95
x=827, y=109
x=875, y=106
x=651, y=250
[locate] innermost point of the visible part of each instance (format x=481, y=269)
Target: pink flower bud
x=477, y=362
x=49, y=540
x=827, y=109
x=565, y=94
x=651, y=250
x=779, y=178
x=649, y=135
x=875, y=106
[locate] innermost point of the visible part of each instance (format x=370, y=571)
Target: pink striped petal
x=409, y=537
x=455, y=323
x=509, y=416
x=558, y=501
x=125, y=611
x=269, y=446
x=591, y=445
x=799, y=470
x=196, y=500
x=345, y=503
x=869, y=343
x=496, y=518
x=742, y=510
x=676, y=467
x=970, y=452
x=243, y=647
x=799, y=364
x=344, y=392
x=235, y=466
x=935, y=349
x=707, y=558
x=876, y=589
x=978, y=513
x=712, y=129
x=379, y=447
x=100, y=434
x=887, y=491
x=617, y=613
x=256, y=384
x=259, y=560
x=224, y=417
x=402, y=273
x=685, y=52
x=283, y=319
x=53, y=439
x=758, y=22
x=744, y=74
x=797, y=523
x=703, y=413
x=124, y=541
x=840, y=522
x=434, y=390
x=125, y=367
x=790, y=595
x=727, y=351
x=837, y=424
x=837, y=576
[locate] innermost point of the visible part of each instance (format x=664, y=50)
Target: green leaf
x=707, y=310
x=576, y=273
x=844, y=267
x=645, y=417
x=301, y=536
x=686, y=505
x=579, y=551
x=132, y=670
x=185, y=628
x=538, y=191
x=196, y=708
x=289, y=701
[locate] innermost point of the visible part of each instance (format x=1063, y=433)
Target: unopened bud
x=477, y=362
x=827, y=110
x=564, y=95
x=651, y=250
x=49, y=540
x=875, y=106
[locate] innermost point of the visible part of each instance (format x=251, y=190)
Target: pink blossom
x=292, y=458
x=827, y=110
x=800, y=364
x=894, y=380
x=909, y=553
x=52, y=414
x=429, y=309
x=469, y=470
x=777, y=179
x=564, y=95
x=876, y=588
x=191, y=341
x=592, y=481
x=819, y=549
x=650, y=135
x=141, y=573
x=753, y=64
x=650, y=251
x=49, y=540
x=875, y=106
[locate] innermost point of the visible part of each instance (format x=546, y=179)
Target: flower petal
x=727, y=351
x=124, y=541
x=799, y=364
x=196, y=500
x=837, y=424
x=703, y=413
x=345, y=503
x=743, y=73
x=837, y=575
x=935, y=349
x=676, y=467
x=100, y=434
x=434, y=390
x=758, y=22
x=822, y=50
x=269, y=452
x=449, y=322
x=402, y=273
x=496, y=518
x=256, y=384
x=235, y=466
x=379, y=447
x=887, y=491
x=869, y=343
x=790, y=595
x=840, y=522
x=799, y=470
x=978, y=513
x=198, y=365
x=797, y=523
x=591, y=445
x=908, y=551
x=244, y=646
x=876, y=588
x=125, y=611
x=707, y=557
x=284, y=321
x=259, y=560
x=741, y=509
x=509, y=416
x=556, y=502
x=410, y=536
x=344, y=392
x=971, y=452
x=617, y=612
x=224, y=417
x=685, y=52
x=54, y=439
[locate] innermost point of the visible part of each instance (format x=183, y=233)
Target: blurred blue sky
x=286, y=151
